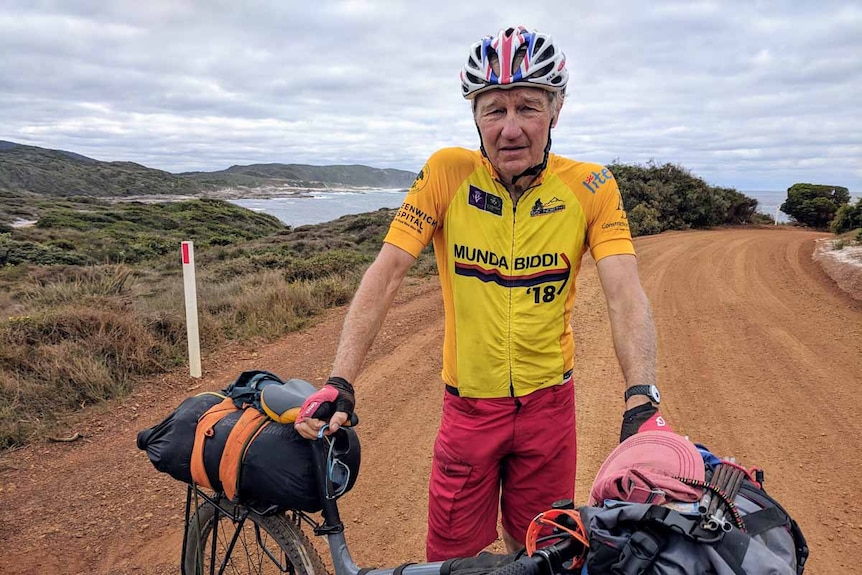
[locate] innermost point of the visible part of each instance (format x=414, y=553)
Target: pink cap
x=644, y=468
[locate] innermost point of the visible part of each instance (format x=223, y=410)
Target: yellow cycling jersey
x=508, y=270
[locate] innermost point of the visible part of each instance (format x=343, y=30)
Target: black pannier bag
x=276, y=463
x=277, y=468
x=169, y=444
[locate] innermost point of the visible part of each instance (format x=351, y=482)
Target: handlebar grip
x=523, y=566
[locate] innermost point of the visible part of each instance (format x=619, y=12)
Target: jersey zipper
x=511, y=305
x=511, y=298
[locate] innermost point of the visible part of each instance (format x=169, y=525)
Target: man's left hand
x=644, y=417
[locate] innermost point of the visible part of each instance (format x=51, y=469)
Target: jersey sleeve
x=609, y=232
x=425, y=205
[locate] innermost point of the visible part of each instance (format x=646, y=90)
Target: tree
x=847, y=218
x=814, y=204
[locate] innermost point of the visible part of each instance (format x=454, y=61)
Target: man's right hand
x=316, y=411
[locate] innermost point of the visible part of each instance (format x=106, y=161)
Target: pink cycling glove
x=335, y=395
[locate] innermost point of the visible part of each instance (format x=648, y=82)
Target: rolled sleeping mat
x=282, y=402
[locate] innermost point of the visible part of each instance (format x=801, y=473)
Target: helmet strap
x=481, y=143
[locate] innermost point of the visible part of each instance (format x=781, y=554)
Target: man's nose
x=511, y=127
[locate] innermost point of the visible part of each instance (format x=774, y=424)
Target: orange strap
x=206, y=423
x=243, y=433
x=576, y=531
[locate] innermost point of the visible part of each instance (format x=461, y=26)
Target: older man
x=509, y=223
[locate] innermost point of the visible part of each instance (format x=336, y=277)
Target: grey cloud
x=740, y=92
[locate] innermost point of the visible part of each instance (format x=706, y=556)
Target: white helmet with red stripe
x=514, y=57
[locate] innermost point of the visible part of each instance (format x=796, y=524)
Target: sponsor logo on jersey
x=485, y=201
x=596, y=179
x=542, y=209
x=489, y=266
x=620, y=224
x=415, y=218
x=421, y=180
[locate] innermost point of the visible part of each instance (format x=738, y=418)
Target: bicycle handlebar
x=548, y=560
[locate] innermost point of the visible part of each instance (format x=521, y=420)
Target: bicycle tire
x=283, y=538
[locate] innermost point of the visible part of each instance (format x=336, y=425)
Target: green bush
x=669, y=197
x=847, y=218
x=814, y=205
x=14, y=252
x=643, y=220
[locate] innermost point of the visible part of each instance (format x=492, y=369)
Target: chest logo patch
x=485, y=201
x=544, y=208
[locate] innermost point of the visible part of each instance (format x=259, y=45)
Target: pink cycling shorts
x=512, y=454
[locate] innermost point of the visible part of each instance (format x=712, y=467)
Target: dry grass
x=76, y=338
x=72, y=335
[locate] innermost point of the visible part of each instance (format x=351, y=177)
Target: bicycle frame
x=333, y=529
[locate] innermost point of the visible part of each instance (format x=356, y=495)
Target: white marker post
x=188, y=251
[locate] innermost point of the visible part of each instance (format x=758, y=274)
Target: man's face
x=514, y=128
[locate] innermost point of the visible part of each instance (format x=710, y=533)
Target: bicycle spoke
x=258, y=544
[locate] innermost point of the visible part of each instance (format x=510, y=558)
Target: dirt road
x=760, y=358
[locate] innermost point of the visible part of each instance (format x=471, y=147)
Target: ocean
x=769, y=202
x=323, y=206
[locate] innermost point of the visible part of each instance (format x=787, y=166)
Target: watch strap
x=640, y=390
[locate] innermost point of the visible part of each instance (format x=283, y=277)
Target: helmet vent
x=493, y=60
x=518, y=57
x=539, y=43
x=473, y=78
x=544, y=71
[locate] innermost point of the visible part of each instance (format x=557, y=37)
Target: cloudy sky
x=751, y=94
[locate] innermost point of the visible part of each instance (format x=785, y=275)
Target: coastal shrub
x=14, y=252
x=847, y=218
x=674, y=199
x=323, y=264
x=643, y=220
x=814, y=205
x=136, y=232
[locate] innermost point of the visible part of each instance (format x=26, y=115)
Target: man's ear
x=556, y=116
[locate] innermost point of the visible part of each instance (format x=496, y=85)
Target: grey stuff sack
x=642, y=539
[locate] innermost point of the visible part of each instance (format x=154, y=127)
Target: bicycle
x=222, y=536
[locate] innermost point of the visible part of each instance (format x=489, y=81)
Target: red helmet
x=514, y=57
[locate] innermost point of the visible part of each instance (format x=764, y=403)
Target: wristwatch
x=650, y=391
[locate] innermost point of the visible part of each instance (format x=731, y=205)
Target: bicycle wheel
x=265, y=544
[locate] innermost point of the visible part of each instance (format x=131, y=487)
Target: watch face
x=654, y=394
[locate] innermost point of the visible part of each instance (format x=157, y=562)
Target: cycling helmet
x=514, y=57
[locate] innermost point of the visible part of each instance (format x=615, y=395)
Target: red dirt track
x=760, y=357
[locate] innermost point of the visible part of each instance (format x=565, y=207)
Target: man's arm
x=631, y=322
x=364, y=317
x=368, y=309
